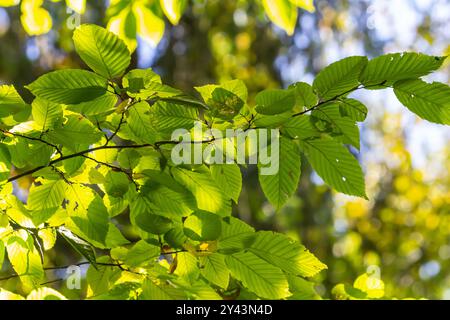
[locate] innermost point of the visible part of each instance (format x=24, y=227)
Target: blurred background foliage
x=403, y=231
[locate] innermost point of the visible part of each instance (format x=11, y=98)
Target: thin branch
x=58, y=150
x=116, y=168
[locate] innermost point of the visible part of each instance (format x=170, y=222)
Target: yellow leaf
x=283, y=13
x=370, y=284
x=304, y=4
x=149, y=26
x=124, y=25
x=35, y=19
x=173, y=9
x=79, y=6
x=9, y=3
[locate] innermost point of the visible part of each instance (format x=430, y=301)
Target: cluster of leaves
x=144, y=18
x=98, y=144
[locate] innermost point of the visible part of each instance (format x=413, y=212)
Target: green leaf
x=206, y=192
x=139, y=123
x=274, y=101
x=353, y=109
x=81, y=246
x=102, y=50
x=142, y=253
x=153, y=223
x=215, y=270
x=203, y=226
x=285, y=253
x=25, y=259
x=49, y=194
x=10, y=101
x=161, y=291
x=235, y=234
x=173, y=9
x=102, y=105
x=280, y=186
x=304, y=94
x=300, y=127
x=91, y=224
x=224, y=104
x=46, y=114
x=76, y=131
x=339, y=77
x=340, y=127
x=335, y=165
x=283, y=13
x=229, y=177
x=116, y=183
x=260, y=277
x=187, y=267
x=138, y=79
x=150, y=27
x=235, y=86
x=301, y=289
x=69, y=86
x=102, y=278
x=430, y=101
x=167, y=117
x=392, y=67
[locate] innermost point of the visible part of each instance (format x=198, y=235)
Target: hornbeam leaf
x=335, y=165
x=278, y=187
x=286, y=254
x=388, y=68
x=339, y=77
x=430, y=101
x=103, y=51
x=69, y=86
x=259, y=276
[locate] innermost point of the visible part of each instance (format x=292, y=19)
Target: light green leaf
x=46, y=114
x=49, y=194
x=166, y=117
x=235, y=232
x=215, y=270
x=335, y=165
x=392, y=67
x=203, y=226
x=260, y=277
x=142, y=253
x=274, y=101
x=208, y=195
x=229, y=177
x=160, y=291
x=116, y=183
x=187, y=267
x=69, y=86
x=278, y=187
x=283, y=13
x=430, y=101
x=102, y=105
x=76, y=131
x=102, y=50
x=153, y=223
x=285, y=253
x=139, y=123
x=10, y=101
x=339, y=77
